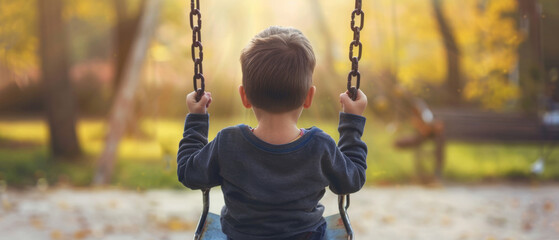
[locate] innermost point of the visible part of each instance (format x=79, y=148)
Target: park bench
x=477, y=125
x=470, y=125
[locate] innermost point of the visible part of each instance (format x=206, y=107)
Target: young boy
x=273, y=175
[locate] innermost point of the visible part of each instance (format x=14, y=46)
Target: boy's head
x=277, y=68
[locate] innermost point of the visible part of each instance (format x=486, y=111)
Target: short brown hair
x=277, y=66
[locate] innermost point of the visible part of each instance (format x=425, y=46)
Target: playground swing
x=338, y=225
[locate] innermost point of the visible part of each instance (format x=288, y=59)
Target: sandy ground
x=492, y=212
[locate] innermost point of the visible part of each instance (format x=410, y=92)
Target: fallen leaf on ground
x=63, y=205
x=548, y=206
x=55, y=234
x=36, y=222
x=387, y=219
x=527, y=226
x=7, y=205
x=81, y=234
x=178, y=225
x=446, y=221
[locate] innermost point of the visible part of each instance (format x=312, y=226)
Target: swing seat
x=335, y=231
x=212, y=228
x=338, y=226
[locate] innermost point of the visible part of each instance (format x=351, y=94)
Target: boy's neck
x=277, y=128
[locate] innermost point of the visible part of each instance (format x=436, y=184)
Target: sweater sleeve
x=197, y=165
x=348, y=162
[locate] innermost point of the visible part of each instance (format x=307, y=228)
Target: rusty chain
x=352, y=91
x=197, y=44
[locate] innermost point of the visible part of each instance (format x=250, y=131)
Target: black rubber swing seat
x=338, y=225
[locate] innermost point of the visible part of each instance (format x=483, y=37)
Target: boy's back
x=272, y=191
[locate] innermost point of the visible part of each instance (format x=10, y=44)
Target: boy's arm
x=197, y=165
x=349, y=161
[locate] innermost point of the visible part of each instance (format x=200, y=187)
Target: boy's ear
x=310, y=95
x=244, y=98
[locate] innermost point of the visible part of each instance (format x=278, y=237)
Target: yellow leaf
x=36, y=222
x=56, y=234
x=179, y=225
x=81, y=234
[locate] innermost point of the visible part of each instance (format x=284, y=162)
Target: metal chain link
x=352, y=91
x=197, y=44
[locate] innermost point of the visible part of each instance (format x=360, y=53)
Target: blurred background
x=464, y=87
x=92, y=91
x=467, y=87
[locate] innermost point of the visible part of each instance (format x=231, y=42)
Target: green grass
x=149, y=162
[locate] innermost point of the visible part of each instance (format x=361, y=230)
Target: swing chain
x=352, y=91
x=197, y=44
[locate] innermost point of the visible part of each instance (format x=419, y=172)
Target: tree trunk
x=453, y=83
x=530, y=55
x=124, y=103
x=58, y=93
x=126, y=29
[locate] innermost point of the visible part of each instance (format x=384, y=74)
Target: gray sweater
x=272, y=191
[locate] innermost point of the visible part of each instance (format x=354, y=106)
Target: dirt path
x=406, y=213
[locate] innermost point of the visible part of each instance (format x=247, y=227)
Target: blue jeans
x=317, y=234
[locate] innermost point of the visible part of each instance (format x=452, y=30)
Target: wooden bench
x=477, y=125
x=470, y=125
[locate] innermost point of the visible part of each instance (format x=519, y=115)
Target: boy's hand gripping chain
x=197, y=43
x=352, y=91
